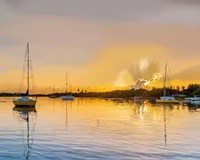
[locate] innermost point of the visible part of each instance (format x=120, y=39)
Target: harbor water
x=96, y=129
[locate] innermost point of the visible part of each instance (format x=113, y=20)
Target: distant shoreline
x=191, y=90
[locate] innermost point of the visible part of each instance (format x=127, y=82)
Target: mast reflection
x=27, y=118
x=194, y=107
x=165, y=107
x=67, y=103
x=165, y=124
x=66, y=114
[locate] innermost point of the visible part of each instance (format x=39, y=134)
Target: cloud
x=145, y=73
x=186, y=2
x=144, y=69
x=14, y=2
x=191, y=74
x=114, y=62
x=105, y=8
x=97, y=42
x=111, y=10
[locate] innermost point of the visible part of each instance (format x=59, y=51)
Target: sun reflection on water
x=90, y=127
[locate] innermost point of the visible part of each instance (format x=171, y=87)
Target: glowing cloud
x=124, y=79
x=145, y=73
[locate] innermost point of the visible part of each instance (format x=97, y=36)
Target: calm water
x=98, y=129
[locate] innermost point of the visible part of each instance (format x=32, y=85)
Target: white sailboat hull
x=67, y=97
x=167, y=101
x=24, y=101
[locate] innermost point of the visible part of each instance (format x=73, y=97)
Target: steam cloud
x=145, y=73
x=142, y=83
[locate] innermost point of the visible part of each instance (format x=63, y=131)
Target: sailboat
x=26, y=101
x=165, y=98
x=53, y=94
x=67, y=96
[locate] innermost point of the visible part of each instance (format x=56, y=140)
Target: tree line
x=191, y=90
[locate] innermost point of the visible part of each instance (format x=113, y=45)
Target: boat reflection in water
x=66, y=114
x=143, y=111
x=26, y=117
x=194, y=107
x=165, y=107
x=67, y=104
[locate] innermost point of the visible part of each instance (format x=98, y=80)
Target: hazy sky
x=100, y=43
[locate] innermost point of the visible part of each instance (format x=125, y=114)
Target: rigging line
x=32, y=77
x=170, y=73
x=21, y=84
x=163, y=77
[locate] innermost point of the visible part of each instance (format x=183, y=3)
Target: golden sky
x=102, y=45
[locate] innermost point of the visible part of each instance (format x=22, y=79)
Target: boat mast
x=28, y=66
x=165, y=80
x=66, y=82
x=54, y=89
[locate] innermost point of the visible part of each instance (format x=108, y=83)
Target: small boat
x=67, y=96
x=53, y=94
x=192, y=100
x=26, y=101
x=195, y=100
x=166, y=99
x=187, y=100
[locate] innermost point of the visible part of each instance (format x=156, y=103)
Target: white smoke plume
x=145, y=73
x=142, y=83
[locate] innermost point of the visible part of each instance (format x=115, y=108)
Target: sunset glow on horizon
x=102, y=47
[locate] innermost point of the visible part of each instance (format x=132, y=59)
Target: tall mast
x=165, y=79
x=66, y=82
x=53, y=89
x=28, y=66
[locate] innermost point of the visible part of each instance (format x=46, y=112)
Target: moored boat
x=187, y=100
x=166, y=99
x=53, y=95
x=195, y=100
x=67, y=95
x=26, y=101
